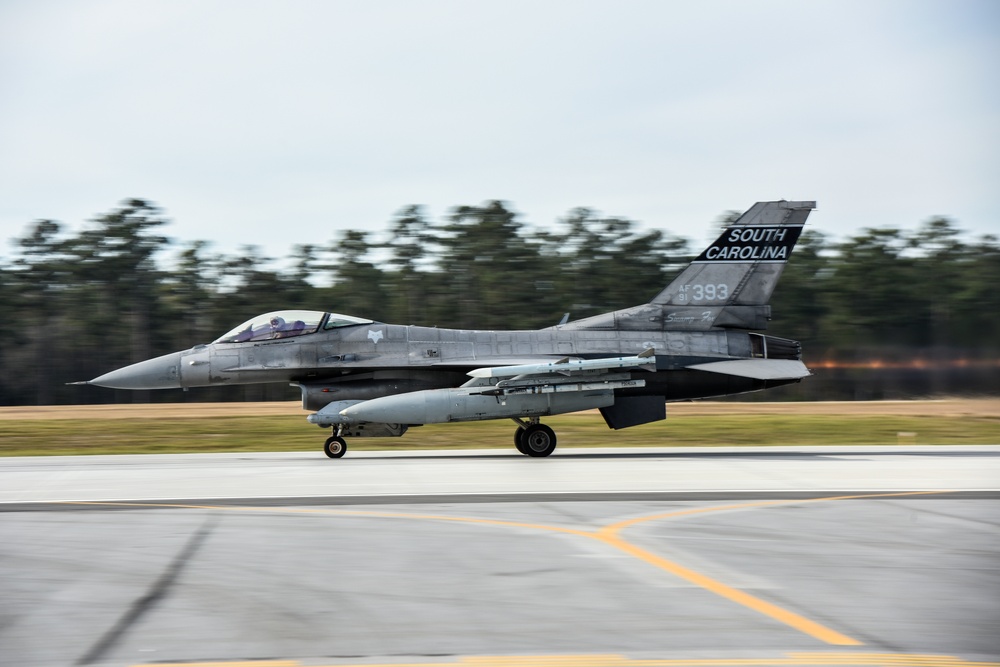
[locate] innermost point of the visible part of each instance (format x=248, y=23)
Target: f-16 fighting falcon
x=695, y=339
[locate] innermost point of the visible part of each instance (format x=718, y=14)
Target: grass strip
x=291, y=433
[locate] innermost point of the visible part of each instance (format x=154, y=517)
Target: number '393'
x=707, y=292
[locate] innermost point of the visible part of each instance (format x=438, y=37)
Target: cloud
x=276, y=124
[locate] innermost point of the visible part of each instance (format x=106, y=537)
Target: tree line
x=80, y=303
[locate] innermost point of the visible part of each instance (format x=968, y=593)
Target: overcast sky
x=280, y=123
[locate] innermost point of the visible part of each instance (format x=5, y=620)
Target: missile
x=645, y=359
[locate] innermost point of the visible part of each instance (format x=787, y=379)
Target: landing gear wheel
x=335, y=447
x=538, y=440
x=519, y=439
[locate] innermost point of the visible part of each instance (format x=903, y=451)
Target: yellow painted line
x=887, y=659
x=347, y=513
x=608, y=535
x=678, y=514
x=844, y=659
x=465, y=519
x=789, y=618
x=628, y=523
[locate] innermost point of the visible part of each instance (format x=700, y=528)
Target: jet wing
x=758, y=369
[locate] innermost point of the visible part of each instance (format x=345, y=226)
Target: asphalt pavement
x=771, y=556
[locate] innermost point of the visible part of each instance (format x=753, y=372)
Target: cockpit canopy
x=288, y=324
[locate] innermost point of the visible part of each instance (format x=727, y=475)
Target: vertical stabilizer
x=728, y=285
x=742, y=267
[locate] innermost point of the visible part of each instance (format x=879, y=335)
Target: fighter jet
x=698, y=338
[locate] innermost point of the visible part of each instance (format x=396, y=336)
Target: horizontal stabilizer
x=758, y=369
x=564, y=366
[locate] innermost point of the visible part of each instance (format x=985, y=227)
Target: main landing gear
x=534, y=439
x=531, y=439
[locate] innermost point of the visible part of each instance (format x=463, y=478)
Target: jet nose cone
x=159, y=373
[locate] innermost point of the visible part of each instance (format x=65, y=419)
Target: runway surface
x=776, y=556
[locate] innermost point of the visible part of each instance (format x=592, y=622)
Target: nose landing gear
x=335, y=446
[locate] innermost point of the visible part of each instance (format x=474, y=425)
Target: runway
x=771, y=556
x=503, y=472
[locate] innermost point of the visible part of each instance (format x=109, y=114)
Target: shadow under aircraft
x=698, y=338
